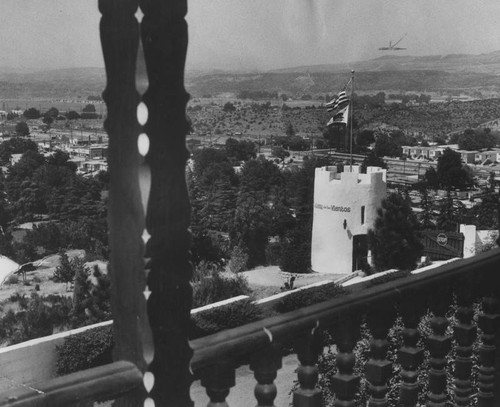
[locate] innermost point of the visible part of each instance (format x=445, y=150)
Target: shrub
x=85, y=350
x=216, y=287
x=34, y=322
x=239, y=259
x=311, y=296
x=226, y=317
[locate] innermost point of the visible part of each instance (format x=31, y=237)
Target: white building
x=476, y=241
x=345, y=207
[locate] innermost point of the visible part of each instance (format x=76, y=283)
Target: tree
x=372, y=160
x=65, y=272
x=72, y=115
x=386, y=146
x=90, y=108
x=431, y=178
x=32, y=113
x=22, y=129
x=451, y=172
x=52, y=112
x=394, y=239
x=242, y=150
x=229, y=107
x=295, y=256
x=81, y=293
x=450, y=213
x=365, y=137
x=427, y=205
x=476, y=140
x=335, y=136
x=47, y=119
x=260, y=182
x=289, y=129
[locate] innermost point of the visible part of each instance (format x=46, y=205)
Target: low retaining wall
x=35, y=360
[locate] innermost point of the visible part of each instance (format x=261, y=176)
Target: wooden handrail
x=100, y=383
x=245, y=339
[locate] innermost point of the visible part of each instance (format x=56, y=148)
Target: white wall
x=339, y=197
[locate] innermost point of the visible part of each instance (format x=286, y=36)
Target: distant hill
x=482, y=63
x=436, y=73
x=57, y=83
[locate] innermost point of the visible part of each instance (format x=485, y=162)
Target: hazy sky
x=259, y=34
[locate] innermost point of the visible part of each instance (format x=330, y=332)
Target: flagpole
x=351, y=113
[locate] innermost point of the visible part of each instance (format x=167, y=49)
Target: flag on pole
x=339, y=117
x=338, y=101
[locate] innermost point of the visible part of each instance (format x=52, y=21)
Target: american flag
x=340, y=100
x=340, y=117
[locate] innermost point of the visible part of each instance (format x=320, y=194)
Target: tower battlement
x=326, y=175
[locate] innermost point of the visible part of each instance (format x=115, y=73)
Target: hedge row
x=94, y=347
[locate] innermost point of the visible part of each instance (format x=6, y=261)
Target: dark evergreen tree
x=372, y=160
x=431, y=178
x=65, y=272
x=426, y=217
x=394, y=240
x=22, y=129
x=451, y=172
x=387, y=146
x=450, y=213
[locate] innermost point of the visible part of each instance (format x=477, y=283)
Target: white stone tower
x=345, y=207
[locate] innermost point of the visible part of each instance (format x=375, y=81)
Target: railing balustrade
x=258, y=344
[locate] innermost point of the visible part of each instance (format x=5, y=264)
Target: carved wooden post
x=345, y=384
x=488, y=323
x=439, y=344
x=164, y=39
x=119, y=39
x=308, y=349
x=218, y=380
x=265, y=365
x=410, y=356
x=464, y=333
x=378, y=369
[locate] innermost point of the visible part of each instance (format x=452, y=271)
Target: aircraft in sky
x=392, y=47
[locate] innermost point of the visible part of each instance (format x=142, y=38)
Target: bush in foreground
x=85, y=350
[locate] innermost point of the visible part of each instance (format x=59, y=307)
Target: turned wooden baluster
x=119, y=38
x=439, y=344
x=265, y=365
x=464, y=333
x=164, y=39
x=218, y=380
x=308, y=349
x=345, y=384
x=378, y=369
x=410, y=355
x=488, y=323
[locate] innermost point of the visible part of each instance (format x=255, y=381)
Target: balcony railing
x=150, y=272
x=259, y=344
